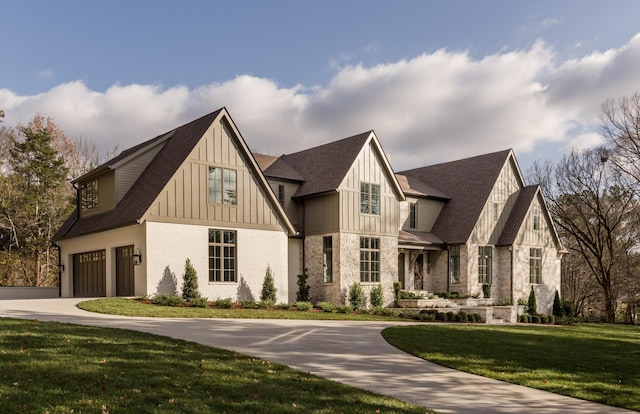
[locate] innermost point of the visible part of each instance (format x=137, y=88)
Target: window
x=496, y=211
x=89, y=195
x=369, y=198
x=327, y=259
x=281, y=194
x=536, y=218
x=369, y=259
x=222, y=255
x=484, y=264
x=535, y=265
x=413, y=216
x=454, y=265
x=222, y=186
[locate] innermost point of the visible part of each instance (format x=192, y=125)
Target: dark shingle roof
x=517, y=216
x=138, y=199
x=467, y=183
x=417, y=237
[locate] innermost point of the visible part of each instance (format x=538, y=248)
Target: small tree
x=190, y=282
x=557, y=306
x=356, y=296
x=377, y=296
x=397, y=287
x=532, y=304
x=268, y=287
x=304, y=290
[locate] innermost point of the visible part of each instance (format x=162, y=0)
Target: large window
x=454, y=265
x=369, y=198
x=413, y=216
x=484, y=264
x=222, y=186
x=535, y=265
x=327, y=259
x=369, y=259
x=536, y=218
x=89, y=195
x=222, y=255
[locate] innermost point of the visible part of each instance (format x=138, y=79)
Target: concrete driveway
x=350, y=352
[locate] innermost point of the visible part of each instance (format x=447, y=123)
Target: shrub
x=410, y=295
x=522, y=319
x=458, y=318
x=326, y=306
x=356, y=296
x=451, y=317
x=477, y=318
x=388, y=312
x=268, y=287
x=397, y=287
x=304, y=306
x=265, y=304
x=463, y=316
x=544, y=319
x=505, y=302
x=532, y=304
x=223, y=303
x=522, y=302
x=557, y=305
x=200, y=302
x=377, y=296
x=528, y=318
x=167, y=300
x=427, y=316
x=248, y=304
x=552, y=319
x=302, y=295
x=189, y=282
x=486, y=290
x=535, y=319
x=285, y=305
x=567, y=309
x=344, y=309
x=441, y=316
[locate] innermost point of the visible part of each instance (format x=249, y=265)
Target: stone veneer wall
x=437, y=279
x=314, y=263
x=545, y=291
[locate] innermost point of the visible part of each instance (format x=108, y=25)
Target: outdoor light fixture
x=137, y=257
x=61, y=266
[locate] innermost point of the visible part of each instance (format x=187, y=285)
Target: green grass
x=51, y=368
x=598, y=362
x=128, y=307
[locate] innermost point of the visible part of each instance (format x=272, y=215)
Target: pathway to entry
x=350, y=352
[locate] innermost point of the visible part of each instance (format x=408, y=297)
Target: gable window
x=222, y=255
x=484, y=264
x=496, y=211
x=536, y=218
x=281, y=194
x=89, y=195
x=535, y=265
x=413, y=215
x=454, y=265
x=222, y=186
x=369, y=198
x=327, y=259
x=369, y=259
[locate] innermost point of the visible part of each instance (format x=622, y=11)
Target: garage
x=90, y=274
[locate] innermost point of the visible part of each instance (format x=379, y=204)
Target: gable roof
x=468, y=184
x=517, y=215
x=135, y=203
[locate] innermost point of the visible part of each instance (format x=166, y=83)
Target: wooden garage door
x=124, y=271
x=90, y=274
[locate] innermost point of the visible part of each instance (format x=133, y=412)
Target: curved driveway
x=350, y=352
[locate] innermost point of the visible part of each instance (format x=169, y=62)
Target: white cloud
x=550, y=21
x=433, y=107
x=46, y=74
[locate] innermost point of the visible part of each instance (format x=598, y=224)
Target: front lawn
x=598, y=362
x=48, y=367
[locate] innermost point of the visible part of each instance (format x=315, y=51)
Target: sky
x=436, y=80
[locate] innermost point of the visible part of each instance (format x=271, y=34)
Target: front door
x=124, y=271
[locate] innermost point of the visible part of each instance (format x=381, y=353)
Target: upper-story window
x=89, y=195
x=536, y=218
x=369, y=198
x=413, y=215
x=496, y=211
x=281, y=194
x=222, y=186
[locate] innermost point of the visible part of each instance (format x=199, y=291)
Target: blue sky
x=436, y=80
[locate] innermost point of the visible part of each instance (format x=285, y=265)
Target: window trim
x=222, y=179
x=369, y=260
x=413, y=215
x=327, y=259
x=369, y=200
x=223, y=258
x=485, y=264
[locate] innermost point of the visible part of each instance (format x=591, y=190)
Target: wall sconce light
x=61, y=266
x=137, y=257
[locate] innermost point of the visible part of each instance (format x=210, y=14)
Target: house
x=194, y=193
x=338, y=211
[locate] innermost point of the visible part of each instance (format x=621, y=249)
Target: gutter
x=511, y=275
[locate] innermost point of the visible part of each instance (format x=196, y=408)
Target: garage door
x=90, y=274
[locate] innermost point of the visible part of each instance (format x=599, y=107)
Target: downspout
x=304, y=256
x=511, y=275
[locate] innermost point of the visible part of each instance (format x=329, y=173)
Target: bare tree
x=620, y=126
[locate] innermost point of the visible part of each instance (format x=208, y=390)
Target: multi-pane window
x=369, y=198
x=222, y=255
x=454, y=264
x=369, y=259
x=536, y=218
x=484, y=264
x=535, y=265
x=281, y=194
x=413, y=215
x=327, y=259
x=222, y=186
x=496, y=211
x=89, y=195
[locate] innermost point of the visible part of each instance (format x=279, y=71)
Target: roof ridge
x=488, y=154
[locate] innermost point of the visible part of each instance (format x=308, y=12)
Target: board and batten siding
x=291, y=207
x=322, y=214
x=367, y=168
x=427, y=210
x=106, y=194
x=185, y=197
x=127, y=174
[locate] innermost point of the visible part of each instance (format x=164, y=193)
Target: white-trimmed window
x=327, y=259
x=223, y=186
x=413, y=215
x=369, y=198
x=222, y=255
x=536, y=218
x=485, y=260
x=369, y=259
x=89, y=195
x=454, y=265
x=535, y=265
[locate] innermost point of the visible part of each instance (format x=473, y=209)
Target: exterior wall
x=291, y=207
x=169, y=245
x=437, y=271
x=185, y=197
x=323, y=292
x=322, y=214
x=295, y=266
x=106, y=194
x=127, y=174
x=427, y=210
x=108, y=240
x=28, y=292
